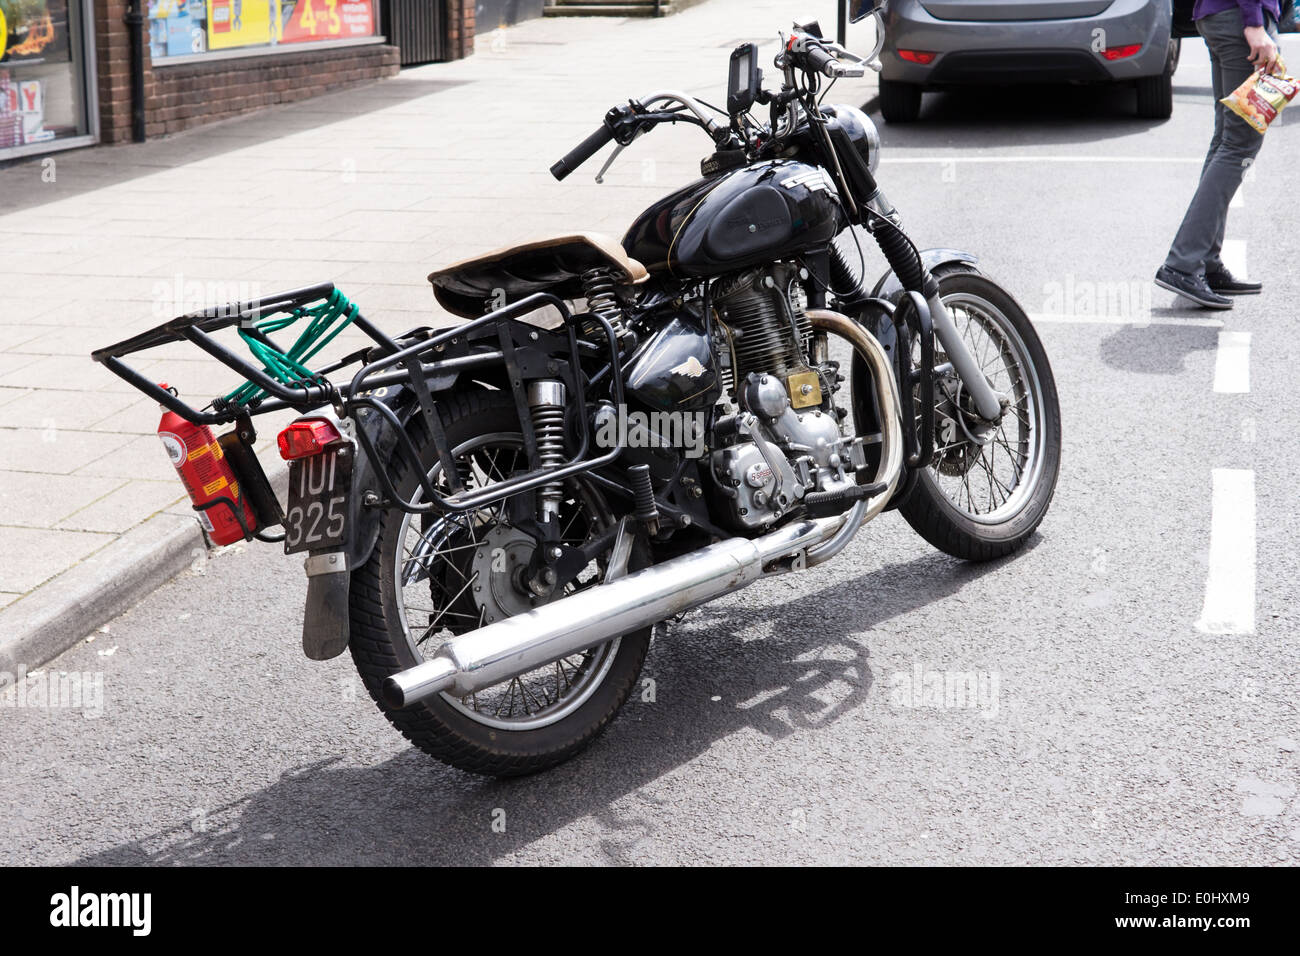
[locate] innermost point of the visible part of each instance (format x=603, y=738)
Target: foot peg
x=647, y=512
x=824, y=504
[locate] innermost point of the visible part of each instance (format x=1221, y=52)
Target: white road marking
x=1040, y=318
x=941, y=159
x=1230, y=588
x=1232, y=363
x=1238, y=199
x=1233, y=255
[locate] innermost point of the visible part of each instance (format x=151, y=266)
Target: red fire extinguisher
x=206, y=475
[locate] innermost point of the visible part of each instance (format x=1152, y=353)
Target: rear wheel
x=900, y=102
x=434, y=577
x=1155, y=94
x=989, y=486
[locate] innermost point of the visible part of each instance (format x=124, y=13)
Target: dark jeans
x=1233, y=149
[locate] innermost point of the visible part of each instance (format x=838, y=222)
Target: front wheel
x=989, y=486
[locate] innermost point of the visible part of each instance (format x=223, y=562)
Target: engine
x=783, y=441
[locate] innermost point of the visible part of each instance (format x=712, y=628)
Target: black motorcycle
x=497, y=515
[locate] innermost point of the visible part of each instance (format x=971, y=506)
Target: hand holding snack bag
x=1262, y=97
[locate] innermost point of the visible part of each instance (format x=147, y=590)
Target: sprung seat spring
x=599, y=285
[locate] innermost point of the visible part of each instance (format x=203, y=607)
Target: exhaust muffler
x=526, y=641
x=516, y=645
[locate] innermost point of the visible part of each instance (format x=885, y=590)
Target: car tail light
x=1121, y=52
x=307, y=437
x=918, y=56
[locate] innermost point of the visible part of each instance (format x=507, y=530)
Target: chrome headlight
x=862, y=132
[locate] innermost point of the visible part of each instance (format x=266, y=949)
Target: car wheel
x=1156, y=93
x=900, y=102
x=1156, y=96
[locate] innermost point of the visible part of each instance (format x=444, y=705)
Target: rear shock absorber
x=546, y=405
x=599, y=284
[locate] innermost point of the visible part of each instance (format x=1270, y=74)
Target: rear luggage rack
x=279, y=378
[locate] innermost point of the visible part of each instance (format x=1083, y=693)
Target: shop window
x=188, y=27
x=42, y=72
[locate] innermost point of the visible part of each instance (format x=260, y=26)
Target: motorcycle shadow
x=763, y=663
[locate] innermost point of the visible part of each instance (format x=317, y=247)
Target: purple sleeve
x=1252, y=12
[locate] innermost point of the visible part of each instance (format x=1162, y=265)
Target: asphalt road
x=1112, y=730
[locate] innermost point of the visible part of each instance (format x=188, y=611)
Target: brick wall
x=113, y=60
x=190, y=94
x=183, y=96
x=460, y=28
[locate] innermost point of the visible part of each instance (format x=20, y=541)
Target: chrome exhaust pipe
x=526, y=641
x=516, y=645
x=891, y=431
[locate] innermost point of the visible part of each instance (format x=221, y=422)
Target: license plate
x=319, y=486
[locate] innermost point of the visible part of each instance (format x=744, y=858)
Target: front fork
x=915, y=277
x=988, y=403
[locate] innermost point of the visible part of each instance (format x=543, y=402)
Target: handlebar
x=821, y=61
x=624, y=123
x=588, y=148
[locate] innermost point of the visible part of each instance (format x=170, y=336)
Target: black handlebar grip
x=582, y=152
x=819, y=61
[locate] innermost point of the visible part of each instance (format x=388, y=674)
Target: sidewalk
x=371, y=188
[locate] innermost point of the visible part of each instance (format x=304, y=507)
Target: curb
x=62, y=611
x=39, y=627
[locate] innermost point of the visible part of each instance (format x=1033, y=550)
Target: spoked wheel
x=989, y=485
x=434, y=577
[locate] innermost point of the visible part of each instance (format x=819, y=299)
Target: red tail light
x=307, y=437
x=1121, y=52
x=918, y=56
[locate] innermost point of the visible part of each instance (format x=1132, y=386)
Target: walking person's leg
x=1197, y=245
x=1216, y=273
x=1220, y=91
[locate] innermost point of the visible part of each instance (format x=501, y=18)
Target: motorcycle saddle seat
x=472, y=287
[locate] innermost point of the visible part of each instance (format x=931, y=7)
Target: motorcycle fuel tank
x=770, y=210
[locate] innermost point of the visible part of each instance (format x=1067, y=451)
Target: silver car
x=937, y=44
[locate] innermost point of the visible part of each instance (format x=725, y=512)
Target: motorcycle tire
x=382, y=644
x=932, y=507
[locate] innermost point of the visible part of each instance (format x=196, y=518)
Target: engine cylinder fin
x=755, y=307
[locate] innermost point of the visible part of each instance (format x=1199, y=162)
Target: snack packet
x=1262, y=97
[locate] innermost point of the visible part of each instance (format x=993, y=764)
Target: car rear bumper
x=1027, y=51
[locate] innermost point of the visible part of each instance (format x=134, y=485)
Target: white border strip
x=1031, y=158
x=1048, y=318
x=1230, y=589
x=1232, y=364
x=248, y=53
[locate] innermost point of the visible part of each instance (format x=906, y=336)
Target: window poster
x=306, y=20
x=236, y=23
x=177, y=27
x=34, y=31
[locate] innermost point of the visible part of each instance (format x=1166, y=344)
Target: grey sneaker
x=1191, y=287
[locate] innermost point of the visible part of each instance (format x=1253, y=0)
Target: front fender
x=888, y=287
